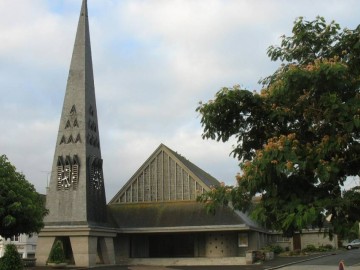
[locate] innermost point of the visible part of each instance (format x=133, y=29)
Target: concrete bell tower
x=76, y=196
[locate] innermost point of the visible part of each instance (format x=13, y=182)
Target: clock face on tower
x=97, y=178
x=64, y=178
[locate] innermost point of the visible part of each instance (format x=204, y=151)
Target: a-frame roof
x=165, y=176
x=161, y=197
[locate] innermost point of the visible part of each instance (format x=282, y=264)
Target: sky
x=153, y=60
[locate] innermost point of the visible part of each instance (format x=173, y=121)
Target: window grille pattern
x=71, y=128
x=162, y=178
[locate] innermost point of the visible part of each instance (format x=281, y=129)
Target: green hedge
x=11, y=259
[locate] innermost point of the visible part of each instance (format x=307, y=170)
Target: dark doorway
x=297, y=241
x=171, y=246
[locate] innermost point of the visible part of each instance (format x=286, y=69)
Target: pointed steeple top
x=84, y=10
x=81, y=58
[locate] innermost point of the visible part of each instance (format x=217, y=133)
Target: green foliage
x=325, y=248
x=220, y=195
x=11, y=259
x=299, y=138
x=295, y=252
x=351, y=230
x=310, y=248
x=275, y=248
x=57, y=254
x=22, y=209
x=348, y=210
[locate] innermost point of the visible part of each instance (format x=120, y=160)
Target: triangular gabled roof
x=161, y=197
x=165, y=176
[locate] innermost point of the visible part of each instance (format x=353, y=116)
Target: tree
x=350, y=214
x=298, y=139
x=22, y=209
x=11, y=259
x=57, y=254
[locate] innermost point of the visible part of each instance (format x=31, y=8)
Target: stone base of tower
x=88, y=246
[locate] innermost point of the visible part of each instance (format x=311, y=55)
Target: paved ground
x=328, y=261
x=285, y=263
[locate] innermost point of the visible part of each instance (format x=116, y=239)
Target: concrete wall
x=221, y=244
x=312, y=237
x=122, y=248
x=206, y=244
x=317, y=239
x=253, y=241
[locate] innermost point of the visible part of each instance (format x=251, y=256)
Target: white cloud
x=153, y=61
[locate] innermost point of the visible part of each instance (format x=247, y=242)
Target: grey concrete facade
x=76, y=196
x=156, y=215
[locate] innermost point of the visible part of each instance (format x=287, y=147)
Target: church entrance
x=162, y=246
x=171, y=246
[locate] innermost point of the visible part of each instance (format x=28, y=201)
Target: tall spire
x=76, y=193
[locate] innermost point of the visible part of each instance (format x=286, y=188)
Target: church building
x=157, y=216
x=154, y=215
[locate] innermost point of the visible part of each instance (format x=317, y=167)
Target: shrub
x=11, y=259
x=325, y=248
x=57, y=254
x=259, y=256
x=277, y=249
x=274, y=248
x=310, y=248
